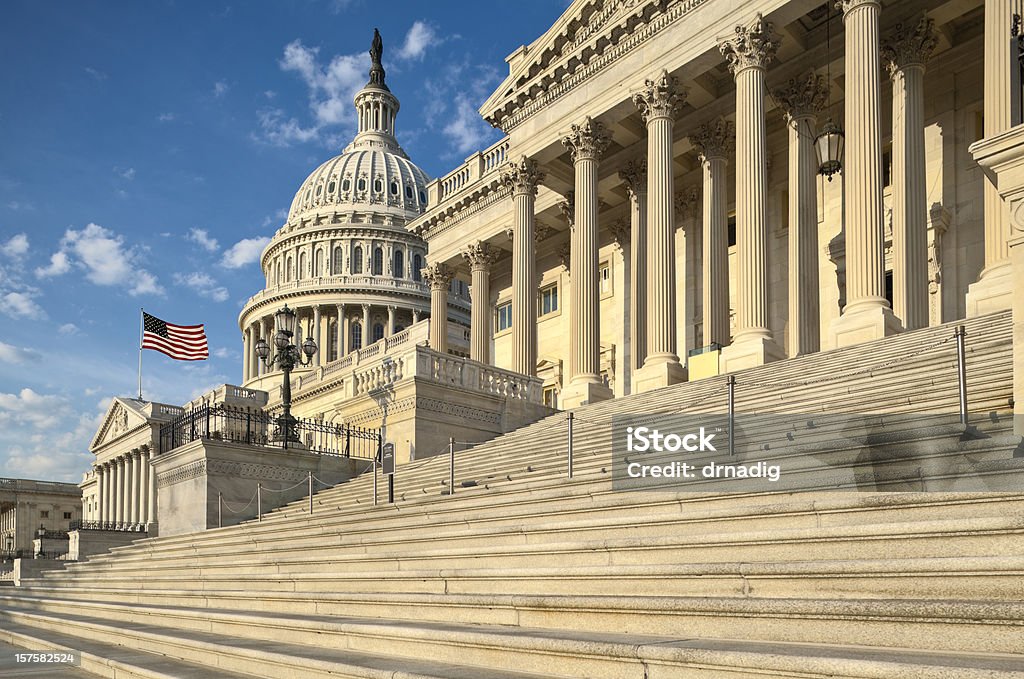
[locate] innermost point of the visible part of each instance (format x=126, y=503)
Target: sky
x=148, y=150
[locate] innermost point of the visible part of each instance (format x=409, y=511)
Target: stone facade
x=28, y=506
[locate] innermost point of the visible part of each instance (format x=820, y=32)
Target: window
x=399, y=264
x=337, y=260
x=408, y=192
x=549, y=299
x=399, y=328
x=361, y=184
x=357, y=260
x=604, y=275
x=67, y=515
x=330, y=187
x=378, y=186
x=394, y=188
x=332, y=342
x=378, y=261
x=417, y=265
x=504, y=320
x=45, y=514
x=423, y=197
x=887, y=166
x=888, y=287
x=551, y=396
x=288, y=270
x=302, y=266
x=357, y=336
x=319, y=189
x=346, y=185
x=731, y=230
x=378, y=332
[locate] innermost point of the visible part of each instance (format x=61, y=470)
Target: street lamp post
x=288, y=356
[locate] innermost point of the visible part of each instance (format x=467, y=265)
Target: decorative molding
x=480, y=255
x=587, y=141
x=250, y=470
x=803, y=95
x=564, y=253
x=568, y=208
x=909, y=45
x=438, y=275
x=620, y=232
x=522, y=176
x=686, y=202
x=753, y=46
x=715, y=139
x=634, y=177
x=185, y=472
x=660, y=97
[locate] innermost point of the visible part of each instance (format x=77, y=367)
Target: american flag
x=180, y=342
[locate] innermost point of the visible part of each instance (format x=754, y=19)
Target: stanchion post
x=311, y=493
x=451, y=465
x=220, y=511
x=730, y=382
x=570, y=444
x=259, y=501
x=961, y=368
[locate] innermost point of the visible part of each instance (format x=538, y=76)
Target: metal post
x=259, y=501
x=311, y=493
x=220, y=511
x=374, y=481
x=730, y=382
x=961, y=368
x=570, y=443
x=451, y=465
x=391, y=488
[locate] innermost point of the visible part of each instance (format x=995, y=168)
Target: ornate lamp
x=829, y=146
x=288, y=357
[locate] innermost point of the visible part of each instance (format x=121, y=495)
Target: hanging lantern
x=829, y=146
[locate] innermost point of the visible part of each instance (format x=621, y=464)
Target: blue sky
x=147, y=151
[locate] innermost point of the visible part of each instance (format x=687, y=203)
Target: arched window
x=408, y=192
x=378, y=332
x=378, y=186
x=357, y=260
x=399, y=264
x=277, y=272
x=361, y=184
x=346, y=184
x=302, y=267
x=336, y=267
x=378, y=261
x=288, y=270
x=417, y=264
x=318, y=263
x=394, y=188
x=332, y=341
x=357, y=336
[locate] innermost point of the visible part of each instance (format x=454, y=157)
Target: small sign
x=387, y=459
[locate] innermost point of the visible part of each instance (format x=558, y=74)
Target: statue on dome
x=376, y=67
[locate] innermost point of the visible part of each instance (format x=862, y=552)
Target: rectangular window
x=604, y=275
x=551, y=397
x=549, y=299
x=67, y=515
x=504, y=319
x=44, y=514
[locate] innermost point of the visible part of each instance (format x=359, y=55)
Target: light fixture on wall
x=830, y=142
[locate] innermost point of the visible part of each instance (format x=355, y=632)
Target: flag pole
x=141, y=316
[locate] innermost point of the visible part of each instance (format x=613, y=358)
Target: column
x=151, y=480
x=480, y=256
x=144, y=472
x=522, y=177
x=366, y=325
x=800, y=100
x=133, y=487
x=748, y=52
x=904, y=55
x=110, y=502
x=634, y=176
x=586, y=144
x=101, y=497
x=261, y=369
x=390, y=330
x=246, y=353
x=714, y=142
x=341, y=330
x=118, y=490
x=658, y=102
x=439, y=277
x=415, y=316
x=867, y=315
x=993, y=291
x=316, y=334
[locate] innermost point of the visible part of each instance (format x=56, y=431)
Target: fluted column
x=748, y=53
x=867, y=315
x=659, y=101
x=994, y=288
x=316, y=334
x=634, y=176
x=341, y=330
x=111, y=502
x=367, y=337
x=800, y=100
x=246, y=353
x=119, y=490
x=480, y=257
x=391, y=320
x=904, y=55
x=260, y=368
x=151, y=480
x=586, y=143
x=133, y=489
x=144, y=472
x=714, y=142
x=439, y=276
x=101, y=484
x=522, y=177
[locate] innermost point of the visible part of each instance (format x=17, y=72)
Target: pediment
x=123, y=416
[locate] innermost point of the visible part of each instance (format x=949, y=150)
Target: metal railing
x=222, y=423
x=122, y=526
x=11, y=555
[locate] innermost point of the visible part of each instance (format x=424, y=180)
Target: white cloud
x=420, y=36
x=12, y=354
x=220, y=88
x=454, y=98
x=166, y=117
x=245, y=251
x=224, y=352
x=18, y=206
x=21, y=305
x=203, y=239
x=276, y=130
x=202, y=284
x=105, y=258
x=16, y=246
x=68, y=329
x=96, y=74
x=269, y=94
x=128, y=174
x=48, y=438
x=39, y=410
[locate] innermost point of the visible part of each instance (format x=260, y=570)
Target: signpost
x=387, y=463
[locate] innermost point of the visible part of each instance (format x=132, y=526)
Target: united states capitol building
x=803, y=212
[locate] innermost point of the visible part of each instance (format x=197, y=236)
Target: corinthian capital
x=686, y=201
x=848, y=6
x=568, y=208
x=715, y=139
x=804, y=95
x=480, y=255
x=660, y=97
x=587, y=141
x=752, y=46
x=522, y=176
x=634, y=176
x=438, y=275
x=909, y=45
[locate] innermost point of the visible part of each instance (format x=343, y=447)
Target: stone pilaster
x=714, y=142
x=659, y=101
x=867, y=315
x=801, y=99
x=993, y=290
x=634, y=176
x=688, y=265
x=480, y=256
x=904, y=55
x=439, y=276
x=522, y=177
x=586, y=144
x=748, y=53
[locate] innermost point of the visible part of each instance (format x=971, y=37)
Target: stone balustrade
x=477, y=166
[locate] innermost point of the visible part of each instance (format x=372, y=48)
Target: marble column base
x=863, y=324
x=992, y=292
x=658, y=375
x=581, y=392
x=749, y=352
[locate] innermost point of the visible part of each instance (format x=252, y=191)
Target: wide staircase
x=518, y=571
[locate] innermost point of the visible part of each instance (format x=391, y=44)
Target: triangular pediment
x=123, y=415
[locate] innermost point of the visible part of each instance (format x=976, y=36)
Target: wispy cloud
x=202, y=238
x=420, y=36
x=95, y=74
x=22, y=305
x=15, y=247
x=125, y=173
x=245, y=251
x=166, y=117
x=455, y=96
x=202, y=284
x=68, y=329
x=105, y=258
x=220, y=88
x=12, y=354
